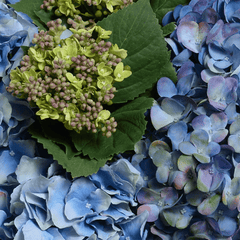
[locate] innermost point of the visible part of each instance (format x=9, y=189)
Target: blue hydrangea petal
x=178, y=216
x=205, y=178
x=191, y=35
x=209, y=205
x=5, y=108
x=219, y=135
x=186, y=69
x=211, y=63
x=147, y=196
x=184, y=84
x=30, y=230
x=99, y=200
x=156, y=145
x=180, y=180
x=187, y=148
x=168, y=17
x=227, y=225
x=235, y=127
x=233, y=141
x=58, y=190
x=172, y=107
x=8, y=165
x=177, y=133
x=217, y=52
x=152, y=209
x=134, y=228
x=159, y=118
x=209, y=15
x=29, y=168
x=215, y=34
x=230, y=9
x=201, y=122
x=222, y=64
x=173, y=45
x=218, y=120
x=195, y=197
x=206, y=75
x=202, y=158
x=199, y=138
x=166, y=87
x=232, y=40
x=201, y=5
x=161, y=158
x=186, y=162
x=182, y=57
x=162, y=174
x=212, y=149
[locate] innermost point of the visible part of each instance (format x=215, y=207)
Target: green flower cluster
x=99, y=9
x=70, y=79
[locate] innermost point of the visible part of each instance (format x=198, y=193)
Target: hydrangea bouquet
x=119, y=119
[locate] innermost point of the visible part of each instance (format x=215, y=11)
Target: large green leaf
x=136, y=29
x=30, y=8
x=54, y=137
x=161, y=7
x=131, y=126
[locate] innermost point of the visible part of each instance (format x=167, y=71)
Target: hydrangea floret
x=70, y=79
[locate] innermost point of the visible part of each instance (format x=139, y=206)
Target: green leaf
x=29, y=8
x=168, y=29
x=136, y=29
x=55, y=139
x=161, y=7
x=131, y=126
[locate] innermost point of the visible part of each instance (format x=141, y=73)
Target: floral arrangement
x=120, y=120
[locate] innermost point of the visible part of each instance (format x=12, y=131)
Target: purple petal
x=201, y=122
x=192, y=35
x=152, y=209
x=205, y=177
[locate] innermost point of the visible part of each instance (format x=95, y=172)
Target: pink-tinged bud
x=108, y=44
x=89, y=108
x=114, y=124
x=29, y=99
x=61, y=94
x=55, y=105
x=73, y=124
x=106, y=98
x=78, y=115
x=52, y=85
x=108, y=134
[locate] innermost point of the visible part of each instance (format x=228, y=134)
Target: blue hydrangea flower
x=215, y=125
x=16, y=30
x=199, y=146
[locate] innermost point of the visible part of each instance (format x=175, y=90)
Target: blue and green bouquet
x=120, y=119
